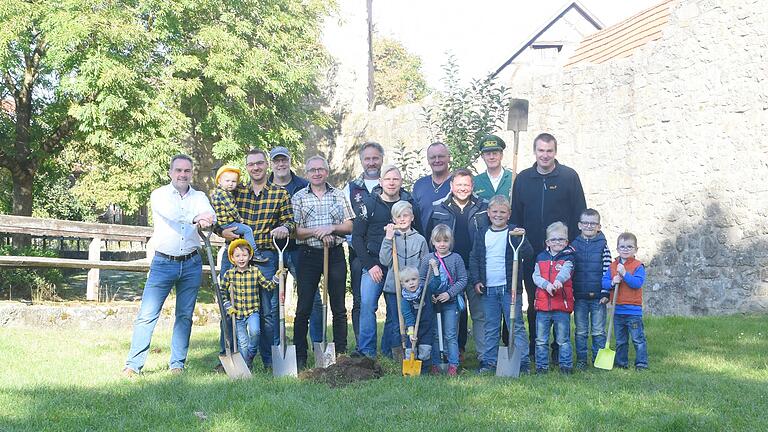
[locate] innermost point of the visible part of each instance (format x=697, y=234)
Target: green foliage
x=463, y=115
x=398, y=79
x=117, y=88
x=410, y=163
x=30, y=284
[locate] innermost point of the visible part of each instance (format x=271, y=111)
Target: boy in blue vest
x=592, y=259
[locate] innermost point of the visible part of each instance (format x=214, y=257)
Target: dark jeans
x=356, y=272
x=311, y=264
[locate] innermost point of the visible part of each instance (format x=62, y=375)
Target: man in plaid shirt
x=323, y=217
x=267, y=210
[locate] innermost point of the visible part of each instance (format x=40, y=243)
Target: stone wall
x=670, y=144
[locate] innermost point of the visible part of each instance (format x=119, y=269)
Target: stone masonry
x=669, y=143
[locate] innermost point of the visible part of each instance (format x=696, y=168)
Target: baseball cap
x=279, y=151
x=491, y=143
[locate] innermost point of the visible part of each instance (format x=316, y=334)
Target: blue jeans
x=244, y=231
x=164, y=274
x=370, y=292
x=562, y=326
x=248, y=332
x=450, y=322
x=316, y=317
x=624, y=327
x=589, y=314
x=495, y=301
x=268, y=308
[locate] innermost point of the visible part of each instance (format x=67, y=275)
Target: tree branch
x=9, y=82
x=53, y=143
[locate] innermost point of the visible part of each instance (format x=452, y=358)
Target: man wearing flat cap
x=496, y=180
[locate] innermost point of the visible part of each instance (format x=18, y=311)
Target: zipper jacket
x=549, y=269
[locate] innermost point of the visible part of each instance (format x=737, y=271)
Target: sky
x=482, y=34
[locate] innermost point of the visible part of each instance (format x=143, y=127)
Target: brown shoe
x=177, y=371
x=219, y=368
x=129, y=373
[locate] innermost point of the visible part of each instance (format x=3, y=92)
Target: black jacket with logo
x=539, y=200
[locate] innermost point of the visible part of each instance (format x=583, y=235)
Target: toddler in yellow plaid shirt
x=240, y=286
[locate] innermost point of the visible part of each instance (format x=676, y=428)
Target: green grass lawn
x=706, y=374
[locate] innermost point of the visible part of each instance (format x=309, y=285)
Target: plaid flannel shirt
x=244, y=286
x=270, y=209
x=332, y=208
x=224, y=206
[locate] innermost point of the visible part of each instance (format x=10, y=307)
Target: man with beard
x=371, y=158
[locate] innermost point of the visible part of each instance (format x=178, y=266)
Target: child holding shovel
x=554, y=298
x=411, y=299
x=591, y=260
x=411, y=247
x=629, y=274
x=453, y=281
x=240, y=293
x=490, y=275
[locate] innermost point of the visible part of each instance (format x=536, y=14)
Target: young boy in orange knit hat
x=227, y=216
x=629, y=274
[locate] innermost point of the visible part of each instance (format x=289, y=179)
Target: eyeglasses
x=557, y=240
x=625, y=248
x=316, y=170
x=253, y=164
x=589, y=224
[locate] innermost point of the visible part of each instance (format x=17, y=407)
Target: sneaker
x=356, y=354
x=176, y=371
x=541, y=371
x=453, y=370
x=641, y=368
x=582, y=365
x=485, y=369
x=129, y=373
x=219, y=368
x=434, y=370
x=566, y=371
x=258, y=257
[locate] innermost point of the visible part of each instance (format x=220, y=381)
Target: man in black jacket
x=545, y=193
x=466, y=214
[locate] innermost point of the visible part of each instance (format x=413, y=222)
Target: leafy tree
x=75, y=71
x=122, y=85
x=409, y=161
x=463, y=115
x=398, y=77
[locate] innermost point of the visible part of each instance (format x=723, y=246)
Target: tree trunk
x=201, y=150
x=23, y=179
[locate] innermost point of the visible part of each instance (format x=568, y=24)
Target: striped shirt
x=311, y=211
x=244, y=288
x=270, y=209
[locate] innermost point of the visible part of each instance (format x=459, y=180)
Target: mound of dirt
x=347, y=370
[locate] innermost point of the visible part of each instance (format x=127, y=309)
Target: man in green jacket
x=496, y=180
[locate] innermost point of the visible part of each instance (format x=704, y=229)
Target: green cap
x=491, y=143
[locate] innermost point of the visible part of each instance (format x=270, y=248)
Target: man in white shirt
x=177, y=211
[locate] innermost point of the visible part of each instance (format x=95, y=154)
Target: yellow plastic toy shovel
x=605, y=356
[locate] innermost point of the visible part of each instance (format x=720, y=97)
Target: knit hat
x=227, y=168
x=234, y=245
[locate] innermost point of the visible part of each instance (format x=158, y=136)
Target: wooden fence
x=97, y=233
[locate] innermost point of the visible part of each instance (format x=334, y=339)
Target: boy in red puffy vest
x=554, y=298
x=629, y=274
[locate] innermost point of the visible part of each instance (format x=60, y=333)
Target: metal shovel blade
x=284, y=365
x=507, y=366
x=234, y=365
x=517, y=119
x=604, y=359
x=325, y=354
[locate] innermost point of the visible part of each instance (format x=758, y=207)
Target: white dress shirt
x=172, y=216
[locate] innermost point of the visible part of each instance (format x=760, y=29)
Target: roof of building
x=623, y=39
x=575, y=5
